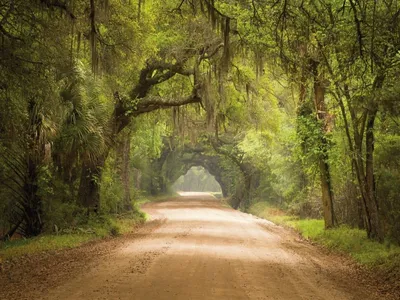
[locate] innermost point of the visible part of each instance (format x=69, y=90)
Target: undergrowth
x=96, y=227
x=343, y=239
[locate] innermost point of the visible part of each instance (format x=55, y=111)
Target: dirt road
x=195, y=248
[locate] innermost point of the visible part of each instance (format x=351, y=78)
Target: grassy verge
x=95, y=229
x=343, y=239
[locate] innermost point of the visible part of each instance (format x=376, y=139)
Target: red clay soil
x=194, y=248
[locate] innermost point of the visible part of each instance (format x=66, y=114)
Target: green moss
x=344, y=239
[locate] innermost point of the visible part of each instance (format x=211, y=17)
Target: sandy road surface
x=198, y=249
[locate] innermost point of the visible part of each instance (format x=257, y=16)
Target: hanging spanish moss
x=222, y=24
x=226, y=55
x=182, y=127
x=105, y=5
x=175, y=112
x=258, y=62
x=209, y=101
x=212, y=15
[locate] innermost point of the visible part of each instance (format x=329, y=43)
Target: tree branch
x=215, y=51
x=60, y=5
x=358, y=27
x=210, y=4
x=154, y=103
x=155, y=73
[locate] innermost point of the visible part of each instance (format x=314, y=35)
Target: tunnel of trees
x=292, y=102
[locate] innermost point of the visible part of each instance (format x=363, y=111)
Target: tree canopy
x=291, y=102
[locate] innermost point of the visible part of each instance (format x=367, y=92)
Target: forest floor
x=193, y=248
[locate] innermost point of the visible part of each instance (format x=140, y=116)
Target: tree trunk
x=31, y=205
x=370, y=208
x=33, y=223
x=246, y=196
x=365, y=175
x=355, y=150
x=325, y=176
x=224, y=188
x=360, y=172
x=93, y=36
x=327, y=195
x=89, y=188
x=125, y=172
x=157, y=180
x=251, y=178
x=375, y=230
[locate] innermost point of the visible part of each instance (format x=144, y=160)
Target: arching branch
x=60, y=5
x=154, y=102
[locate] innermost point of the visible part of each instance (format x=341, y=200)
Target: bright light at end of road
x=194, y=194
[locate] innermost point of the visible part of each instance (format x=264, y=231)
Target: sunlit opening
x=197, y=179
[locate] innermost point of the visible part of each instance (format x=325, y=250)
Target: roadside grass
x=343, y=239
x=96, y=228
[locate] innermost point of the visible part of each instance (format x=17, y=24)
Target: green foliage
x=73, y=78
x=309, y=136
x=86, y=110
x=148, y=140
x=255, y=147
x=388, y=188
x=111, y=190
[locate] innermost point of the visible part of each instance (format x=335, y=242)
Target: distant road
x=195, y=194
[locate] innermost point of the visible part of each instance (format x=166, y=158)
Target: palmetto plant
x=24, y=161
x=82, y=134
